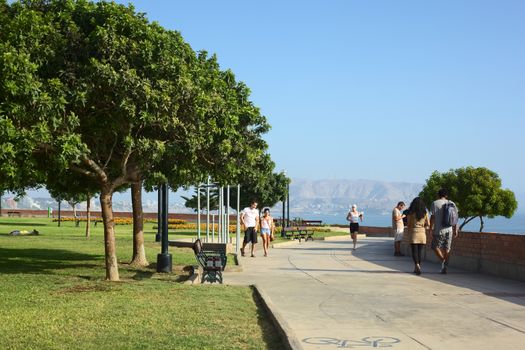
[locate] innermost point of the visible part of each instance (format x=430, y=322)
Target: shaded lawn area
x=53, y=296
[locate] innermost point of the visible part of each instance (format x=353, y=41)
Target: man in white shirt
x=250, y=220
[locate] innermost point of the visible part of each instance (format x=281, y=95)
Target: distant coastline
x=514, y=225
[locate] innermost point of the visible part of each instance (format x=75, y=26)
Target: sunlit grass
x=54, y=296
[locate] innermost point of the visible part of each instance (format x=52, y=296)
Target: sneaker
x=443, y=270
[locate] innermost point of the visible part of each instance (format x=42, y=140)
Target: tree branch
x=101, y=174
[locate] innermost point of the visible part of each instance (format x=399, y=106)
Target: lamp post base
x=164, y=263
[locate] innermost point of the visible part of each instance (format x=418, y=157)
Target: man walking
x=441, y=235
x=398, y=227
x=250, y=220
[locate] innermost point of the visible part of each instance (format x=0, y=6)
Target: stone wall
x=487, y=252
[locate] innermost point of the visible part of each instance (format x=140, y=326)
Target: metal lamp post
x=164, y=259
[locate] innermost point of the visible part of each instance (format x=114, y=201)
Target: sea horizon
x=514, y=225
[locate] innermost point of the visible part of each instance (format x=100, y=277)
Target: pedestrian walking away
x=442, y=233
x=250, y=221
x=398, y=227
x=417, y=224
x=354, y=217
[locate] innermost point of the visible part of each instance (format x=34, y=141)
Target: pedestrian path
x=330, y=297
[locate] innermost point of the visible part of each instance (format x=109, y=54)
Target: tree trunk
x=106, y=203
x=481, y=223
x=74, y=206
x=139, y=251
x=467, y=220
x=88, y=216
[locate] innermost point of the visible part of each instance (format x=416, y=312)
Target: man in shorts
x=441, y=236
x=250, y=221
x=398, y=227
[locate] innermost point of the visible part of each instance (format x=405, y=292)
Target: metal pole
x=198, y=212
x=219, y=229
x=228, y=214
x=208, y=210
x=164, y=219
x=159, y=214
x=213, y=228
x=164, y=260
x=284, y=212
x=288, y=205
x=238, y=231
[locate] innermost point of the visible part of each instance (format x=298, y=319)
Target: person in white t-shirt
x=250, y=221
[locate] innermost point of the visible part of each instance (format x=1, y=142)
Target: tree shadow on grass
x=24, y=224
x=44, y=261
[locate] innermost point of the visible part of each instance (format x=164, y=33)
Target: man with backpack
x=443, y=223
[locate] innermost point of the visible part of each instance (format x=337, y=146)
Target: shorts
x=354, y=227
x=250, y=235
x=265, y=231
x=398, y=235
x=443, y=240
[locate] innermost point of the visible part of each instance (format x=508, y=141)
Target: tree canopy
x=477, y=193
x=97, y=90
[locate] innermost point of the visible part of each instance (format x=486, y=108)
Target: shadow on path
x=380, y=253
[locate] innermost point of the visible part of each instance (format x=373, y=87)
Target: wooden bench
x=298, y=232
x=14, y=213
x=212, y=262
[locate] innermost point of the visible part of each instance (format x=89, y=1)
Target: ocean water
x=514, y=225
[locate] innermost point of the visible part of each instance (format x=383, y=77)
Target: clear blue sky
x=383, y=90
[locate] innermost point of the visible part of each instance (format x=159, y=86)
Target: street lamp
x=164, y=259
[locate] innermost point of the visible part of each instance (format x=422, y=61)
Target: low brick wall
x=98, y=214
x=487, y=252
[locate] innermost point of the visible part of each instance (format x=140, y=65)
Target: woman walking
x=267, y=230
x=354, y=216
x=418, y=222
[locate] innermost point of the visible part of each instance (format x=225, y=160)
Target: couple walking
x=251, y=221
x=418, y=222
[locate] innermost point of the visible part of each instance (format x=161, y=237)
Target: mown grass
x=53, y=296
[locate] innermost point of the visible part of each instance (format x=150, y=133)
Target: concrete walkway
x=329, y=297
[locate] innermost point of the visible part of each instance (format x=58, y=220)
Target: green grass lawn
x=53, y=296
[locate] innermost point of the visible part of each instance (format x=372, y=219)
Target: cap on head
x=354, y=206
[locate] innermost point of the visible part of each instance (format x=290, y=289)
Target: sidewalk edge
x=287, y=334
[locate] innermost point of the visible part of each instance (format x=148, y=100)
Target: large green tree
x=477, y=193
x=96, y=89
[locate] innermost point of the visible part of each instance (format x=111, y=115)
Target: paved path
x=330, y=297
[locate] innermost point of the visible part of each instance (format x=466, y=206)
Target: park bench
x=14, y=213
x=212, y=261
x=298, y=232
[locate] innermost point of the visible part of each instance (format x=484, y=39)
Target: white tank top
x=265, y=222
x=354, y=217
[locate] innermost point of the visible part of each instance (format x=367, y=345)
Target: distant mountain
x=329, y=196
x=306, y=197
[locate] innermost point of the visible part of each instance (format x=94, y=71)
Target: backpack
x=450, y=215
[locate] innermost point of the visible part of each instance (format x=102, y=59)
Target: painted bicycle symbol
x=373, y=342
